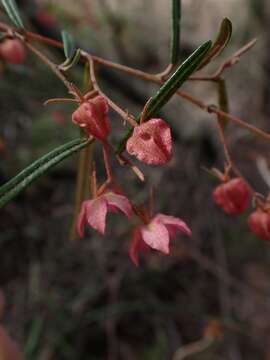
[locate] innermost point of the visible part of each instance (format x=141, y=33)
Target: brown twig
x=72, y=89
x=232, y=60
x=142, y=75
x=114, y=106
x=213, y=109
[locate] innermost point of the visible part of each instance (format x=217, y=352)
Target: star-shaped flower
x=156, y=235
x=93, y=212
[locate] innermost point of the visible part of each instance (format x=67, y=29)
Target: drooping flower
x=232, y=196
x=151, y=142
x=93, y=212
x=156, y=235
x=259, y=224
x=92, y=115
x=12, y=51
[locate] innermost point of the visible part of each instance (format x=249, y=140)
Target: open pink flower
x=93, y=212
x=92, y=115
x=151, y=142
x=156, y=235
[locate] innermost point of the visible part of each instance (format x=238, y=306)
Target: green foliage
x=17, y=184
x=175, y=31
x=223, y=38
x=13, y=13
x=69, y=44
x=169, y=88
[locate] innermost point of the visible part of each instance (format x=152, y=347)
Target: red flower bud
x=259, y=224
x=151, y=142
x=232, y=196
x=92, y=115
x=12, y=51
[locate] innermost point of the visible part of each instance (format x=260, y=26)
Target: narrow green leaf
x=69, y=44
x=13, y=12
x=34, y=336
x=169, y=88
x=17, y=184
x=175, y=31
x=181, y=74
x=224, y=36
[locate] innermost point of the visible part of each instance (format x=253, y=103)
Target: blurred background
x=86, y=300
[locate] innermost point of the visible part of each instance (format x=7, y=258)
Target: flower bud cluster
x=151, y=142
x=233, y=197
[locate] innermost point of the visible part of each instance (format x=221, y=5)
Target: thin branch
x=58, y=101
x=107, y=162
x=232, y=60
x=153, y=78
x=72, y=89
x=112, y=104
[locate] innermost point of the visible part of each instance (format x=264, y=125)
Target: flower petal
x=232, y=196
x=81, y=221
x=172, y=224
x=96, y=211
x=156, y=236
x=119, y=202
x=92, y=115
x=151, y=142
x=135, y=246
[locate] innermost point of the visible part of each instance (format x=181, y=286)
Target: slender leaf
x=169, y=88
x=34, y=336
x=181, y=74
x=17, y=184
x=224, y=36
x=13, y=12
x=69, y=44
x=175, y=31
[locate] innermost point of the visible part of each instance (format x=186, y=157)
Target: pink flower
x=156, y=235
x=92, y=115
x=151, y=142
x=12, y=51
x=232, y=196
x=259, y=224
x=93, y=212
